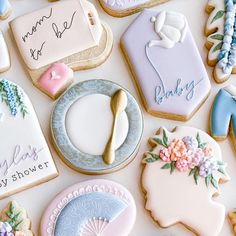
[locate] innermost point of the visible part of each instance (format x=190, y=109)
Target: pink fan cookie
x=181, y=176
x=95, y=207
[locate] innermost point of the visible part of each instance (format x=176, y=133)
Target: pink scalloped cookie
x=95, y=207
x=56, y=79
x=182, y=173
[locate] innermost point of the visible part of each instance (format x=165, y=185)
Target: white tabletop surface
x=115, y=69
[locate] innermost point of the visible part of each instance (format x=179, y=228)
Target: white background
x=115, y=68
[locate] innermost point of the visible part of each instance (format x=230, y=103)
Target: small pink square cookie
x=56, y=79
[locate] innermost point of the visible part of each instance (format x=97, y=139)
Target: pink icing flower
x=195, y=157
x=208, y=151
x=165, y=154
x=178, y=149
x=182, y=164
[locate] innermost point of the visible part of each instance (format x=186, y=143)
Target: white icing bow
x=171, y=28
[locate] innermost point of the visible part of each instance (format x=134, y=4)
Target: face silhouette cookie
x=14, y=221
x=25, y=159
x=168, y=87
x=181, y=174
x=220, y=31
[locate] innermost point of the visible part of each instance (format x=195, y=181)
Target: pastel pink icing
x=126, y=218
x=55, y=78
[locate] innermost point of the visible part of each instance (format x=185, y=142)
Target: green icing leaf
x=192, y=171
x=196, y=176
x=202, y=145
x=214, y=182
x=159, y=141
x=172, y=167
x=220, y=163
x=165, y=138
x=221, y=169
x=151, y=157
x=208, y=180
x=218, y=15
x=198, y=139
x=217, y=36
x=217, y=47
x=166, y=166
x=14, y=217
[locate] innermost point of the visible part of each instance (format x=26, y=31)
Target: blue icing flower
x=95, y=206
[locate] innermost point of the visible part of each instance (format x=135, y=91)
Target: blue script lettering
x=188, y=90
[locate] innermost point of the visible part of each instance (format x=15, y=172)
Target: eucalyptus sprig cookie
x=182, y=167
x=221, y=41
x=14, y=221
x=65, y=36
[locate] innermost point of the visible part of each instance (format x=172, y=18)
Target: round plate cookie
x=95, y=207
x=89, y=117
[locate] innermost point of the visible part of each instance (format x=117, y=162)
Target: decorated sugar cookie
x=25, y=159
x=223, y=114
x=5, y=57
x=181, y=175
x=63, y=36
x=120, y=8
x=232, y=220
x=91, y=123
x=220, y=31
x=5, y=9
x=168, y=88
x=14, y=221
x=95, y=207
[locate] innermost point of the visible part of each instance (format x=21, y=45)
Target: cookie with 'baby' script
x=170, y=86
x=181, y=174
x=25, y=159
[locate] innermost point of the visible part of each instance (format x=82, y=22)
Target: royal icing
x=56, y=32
x=166, y=35
x=25, y=158
x=81, y=145
x=127, y=7
x=55, y=80
x=96, y=207
x=220, y=29
x=5, y=8
x=5, y=58
x=223, y=112
x=14, y=221
x=186, y=164
x=91, y=135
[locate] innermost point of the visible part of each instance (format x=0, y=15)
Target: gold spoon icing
x=118, y=105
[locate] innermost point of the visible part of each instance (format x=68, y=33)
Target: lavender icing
x=168, y=83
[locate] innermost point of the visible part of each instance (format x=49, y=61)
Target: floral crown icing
x=188, y=154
